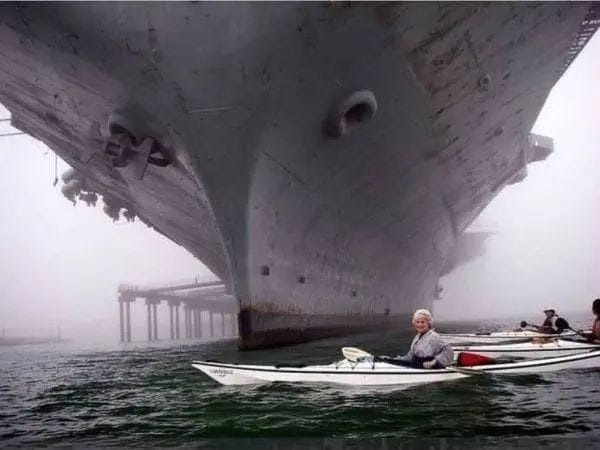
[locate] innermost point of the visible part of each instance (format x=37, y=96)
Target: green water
x=137, y=395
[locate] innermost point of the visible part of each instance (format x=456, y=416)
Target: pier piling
x=197, y=297
x=121, y=321
x=155, y=322
x=128, y=320
x=149, y=313
x=177, y=321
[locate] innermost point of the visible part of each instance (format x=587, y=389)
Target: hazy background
x=547, y=246
x=60, y=265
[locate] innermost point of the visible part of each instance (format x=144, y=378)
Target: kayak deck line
x=539, y=362
x=336, y=370
x=523, y=350
x=550, y=345
x=502, y=337
x=332, y=369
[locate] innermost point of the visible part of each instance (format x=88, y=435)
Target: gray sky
x=60, y=265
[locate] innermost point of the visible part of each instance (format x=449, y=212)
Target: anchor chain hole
x=356, y=109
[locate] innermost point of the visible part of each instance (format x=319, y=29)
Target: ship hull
x=272, y=329
x=323, y=160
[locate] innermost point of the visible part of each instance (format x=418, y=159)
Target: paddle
x=524, y=324
x=352, y=354
x=560, y=323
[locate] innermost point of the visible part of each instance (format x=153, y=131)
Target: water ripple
x=152, y=395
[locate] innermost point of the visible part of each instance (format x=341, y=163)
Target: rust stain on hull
x=278, y=328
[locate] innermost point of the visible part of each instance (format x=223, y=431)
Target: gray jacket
x=429, y=345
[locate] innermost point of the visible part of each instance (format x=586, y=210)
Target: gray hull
x=323, y=160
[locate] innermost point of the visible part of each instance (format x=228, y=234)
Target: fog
x=546, y=246
x=60, y=265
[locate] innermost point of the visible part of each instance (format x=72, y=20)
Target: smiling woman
x=427, y=349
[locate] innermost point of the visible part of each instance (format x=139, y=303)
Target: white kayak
x=543, y=349
x=366, y=373
x=500, y=336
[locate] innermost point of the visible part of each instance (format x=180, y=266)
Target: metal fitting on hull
x=356, y=109
x=126, y=147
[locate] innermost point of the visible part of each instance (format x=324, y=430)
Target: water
x=134, y=394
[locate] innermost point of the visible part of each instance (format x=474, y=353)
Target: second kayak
x=499, y=337
x=531, y=349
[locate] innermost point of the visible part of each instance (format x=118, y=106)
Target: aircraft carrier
x=322, y=159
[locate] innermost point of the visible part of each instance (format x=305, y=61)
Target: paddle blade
x=352, y=353
x=473, y=359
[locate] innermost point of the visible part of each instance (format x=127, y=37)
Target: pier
x=203, y=302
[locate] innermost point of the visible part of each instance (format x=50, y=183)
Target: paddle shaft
x=580, y=333
x=352, y=354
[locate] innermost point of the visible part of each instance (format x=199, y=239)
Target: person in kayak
x=548, y=325
x=427, y=349
x=553, y=324
x=595, y=334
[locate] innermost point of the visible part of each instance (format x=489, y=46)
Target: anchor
x=123, y=149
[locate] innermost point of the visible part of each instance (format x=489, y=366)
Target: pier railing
x=178, y=285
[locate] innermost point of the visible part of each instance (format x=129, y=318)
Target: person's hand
x=429, y=364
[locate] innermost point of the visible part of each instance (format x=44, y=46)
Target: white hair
x=423, y=313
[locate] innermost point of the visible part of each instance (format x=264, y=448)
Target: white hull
x=532, y=350
x=379, y=373
x=499, y=337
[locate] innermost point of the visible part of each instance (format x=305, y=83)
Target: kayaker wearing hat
x=548, y=325
x=427, y=349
